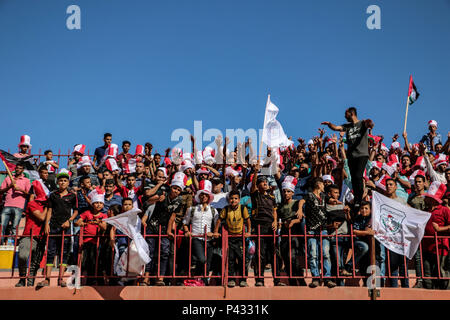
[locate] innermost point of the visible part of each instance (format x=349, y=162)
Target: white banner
x=398, y=227
x=273, y=134
x=129, y=223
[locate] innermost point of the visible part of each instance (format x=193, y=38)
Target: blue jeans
x=361, y=249
x=340, y=249
x=314, y=256
x=11, y=214
x=153, y=245
x=397, y=265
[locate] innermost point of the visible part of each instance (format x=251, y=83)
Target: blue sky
x=140, y=69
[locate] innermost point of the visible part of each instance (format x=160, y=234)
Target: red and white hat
x=420, y=163
x=199, y=158
x=84, y=161
x=331, y=160
x=414, y=174
x=188, y=156
x=209, y=155
x=377, y=164
x=111, y=164
x=179, y=179
x=97, y=195
x=112, y=151
x=436, y=191
x=79, y=148
x=383, y=147
x=25, y=140
x=229, y=171
x=202, y=170
x=164, y=170
x=177, y=156
x=381, y=183
x=432, y=123
x=396, y=145
x=40, y=190
x=129, y=166
x=441, y=159
x=328, y=177
x=289, y=183
x=205, y=186
x=186, y=164
x=389, y=168
x=139, y=150
x=415, y=146
x=393, y=158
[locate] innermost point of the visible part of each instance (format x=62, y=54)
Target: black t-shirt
x=357, y=141
x=315, y=215
x=262, y=208
x=99, y=153
x=61, y=207
x=162, y=213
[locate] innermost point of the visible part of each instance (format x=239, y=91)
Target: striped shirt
x=199, y=219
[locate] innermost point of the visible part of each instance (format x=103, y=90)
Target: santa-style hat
x=328, y=177
x=383, y=147
x=97, y=195
x=179, y=179
x=188, y=156
x=112, y=151
x=389, y=167
x=377, y=164
x=186, y=164
x=229, y=171
x=396, y=145
x=415, y=146
x=199, y=157
x=79, y=148
x=129, y=166
x=139, y=150
x=436, y=191
x=164, y=170
x=40, y=190
x=414, y=174
x=111, y=164
x=432, y=123
x=420, y=163
x=202, y=170
x=393, y=158
x=84, y=161
x=310, y=141
x=381, y=183
x=441, y=159
x=25, y=140
x=205, y=186
x=289, y=183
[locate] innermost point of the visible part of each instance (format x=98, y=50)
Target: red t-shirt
x=31, y=222
x=90, y=230
x=441, y=216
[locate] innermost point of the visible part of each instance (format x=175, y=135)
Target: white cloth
x=273, y=133
x=220, y=200
x=398, y=227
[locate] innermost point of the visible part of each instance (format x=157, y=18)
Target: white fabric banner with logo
x=398, y=227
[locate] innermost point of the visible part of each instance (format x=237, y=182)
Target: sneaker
x=280, y=284
x=259, y=284
x=44, y=283
x=160, y=283
x=345, y=273
x=21, y=283
x=243, y=284
x=62, y=284
x=314, y=284
x=330, y=284
x=231, y=284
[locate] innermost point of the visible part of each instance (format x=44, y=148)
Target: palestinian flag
x=413, y=95
x=30, y=167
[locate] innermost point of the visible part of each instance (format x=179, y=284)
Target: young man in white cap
x=62, y=209
x=440, y=163
x=439, y=222
x=202, y=218
x=93, y=227
x=432, y=138
x=84, y=167
x=290, y=215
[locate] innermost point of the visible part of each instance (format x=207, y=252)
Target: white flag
x=398, y=227
x=129, y=223
x=273, y=133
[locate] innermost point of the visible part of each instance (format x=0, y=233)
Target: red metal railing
x=223, y=276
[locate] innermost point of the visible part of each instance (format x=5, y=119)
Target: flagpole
x=265, y=118
x=9, y=173
x=406, y=113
